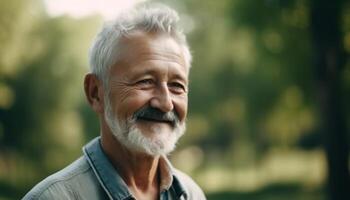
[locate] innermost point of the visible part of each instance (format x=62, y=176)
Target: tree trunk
x=329, y=60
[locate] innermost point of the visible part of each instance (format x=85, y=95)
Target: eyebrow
x=153, y=72
x=179, y=77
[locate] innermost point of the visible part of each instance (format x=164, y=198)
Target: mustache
x=150, y=113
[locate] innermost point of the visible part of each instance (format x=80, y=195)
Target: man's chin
x=152, y=138
x=146, y=141
x=155, y=129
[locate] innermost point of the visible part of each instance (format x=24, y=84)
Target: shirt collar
x=166, y=173
x=111, y=181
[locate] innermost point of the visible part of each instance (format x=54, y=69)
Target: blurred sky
x=81, y=8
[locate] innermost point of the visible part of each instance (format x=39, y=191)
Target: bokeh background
x=268, y=108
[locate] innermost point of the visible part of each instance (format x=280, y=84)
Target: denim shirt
x=92, y=176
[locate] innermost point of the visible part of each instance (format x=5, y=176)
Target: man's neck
x=139, y=171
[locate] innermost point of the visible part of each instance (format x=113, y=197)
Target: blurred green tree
x=41, y=75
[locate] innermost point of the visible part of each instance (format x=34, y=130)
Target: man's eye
x=145, y=82
x=177, y=86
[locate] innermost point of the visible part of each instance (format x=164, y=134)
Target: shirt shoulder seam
x=56, y=180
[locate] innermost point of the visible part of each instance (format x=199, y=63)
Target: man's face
x=148, y=93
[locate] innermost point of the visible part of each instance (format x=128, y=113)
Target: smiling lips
x=150, y=114
x=153, y=119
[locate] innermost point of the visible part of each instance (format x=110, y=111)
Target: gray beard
x=133, y=139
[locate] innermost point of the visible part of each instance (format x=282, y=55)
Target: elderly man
x=138, y=87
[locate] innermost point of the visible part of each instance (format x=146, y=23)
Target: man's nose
x=162, y=98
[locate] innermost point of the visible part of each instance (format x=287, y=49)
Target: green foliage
x=273, y=192
x=43, y=61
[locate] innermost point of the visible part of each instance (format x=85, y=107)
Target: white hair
x=106, y=48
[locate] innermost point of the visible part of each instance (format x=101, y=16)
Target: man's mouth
x=149, y=114
x=155, y=120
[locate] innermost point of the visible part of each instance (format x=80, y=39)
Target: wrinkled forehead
x=139, y=46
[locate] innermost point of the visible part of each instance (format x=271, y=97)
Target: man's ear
x=94, y=92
